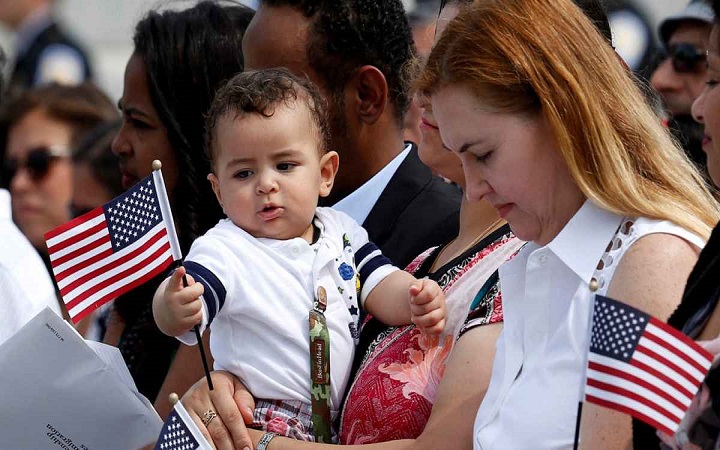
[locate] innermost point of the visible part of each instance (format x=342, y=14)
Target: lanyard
x=320, y=368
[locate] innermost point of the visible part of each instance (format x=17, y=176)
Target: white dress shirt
x=25, y=284
x=360, y=202
x=538, y=368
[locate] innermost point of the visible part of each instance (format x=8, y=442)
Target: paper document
x=60, y=392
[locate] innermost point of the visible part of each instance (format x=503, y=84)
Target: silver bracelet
x=265, y=441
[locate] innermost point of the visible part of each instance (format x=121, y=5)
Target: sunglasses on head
x=685, y=57
x=37, y=163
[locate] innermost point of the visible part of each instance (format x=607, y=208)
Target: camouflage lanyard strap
x=320, y=369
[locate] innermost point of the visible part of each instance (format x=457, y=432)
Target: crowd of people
x=545, y=173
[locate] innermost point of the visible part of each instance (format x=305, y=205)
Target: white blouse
x=535, y=386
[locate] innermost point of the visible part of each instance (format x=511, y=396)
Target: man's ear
x=329, y=164
x=368, y=92
x=215, y=183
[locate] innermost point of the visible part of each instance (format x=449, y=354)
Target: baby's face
x=269, y=172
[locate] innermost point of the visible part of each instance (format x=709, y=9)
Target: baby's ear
x=329, y=164
x=215, y=183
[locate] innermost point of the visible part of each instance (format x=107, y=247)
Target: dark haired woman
x=180, y=58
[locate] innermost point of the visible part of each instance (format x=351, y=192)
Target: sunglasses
x=685, y=57
x=37, y=163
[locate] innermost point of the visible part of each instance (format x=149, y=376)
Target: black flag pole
x=176, y=252
x=576, y=442
x=593, y=287
x=196, y=329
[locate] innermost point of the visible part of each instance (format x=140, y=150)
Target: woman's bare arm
x=650, y=277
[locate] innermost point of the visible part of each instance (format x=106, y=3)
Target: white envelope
x=58, y=392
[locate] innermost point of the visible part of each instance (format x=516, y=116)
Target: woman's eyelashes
x=137, y=123
x=483, y=157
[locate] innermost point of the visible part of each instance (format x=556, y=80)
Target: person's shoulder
x=645, y=227
x=328, y=214
x=222, y=235
x=653, y=271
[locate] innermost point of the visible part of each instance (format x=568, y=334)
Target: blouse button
x=295, y=249
x=593, y=285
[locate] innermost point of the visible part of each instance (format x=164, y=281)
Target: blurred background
x=104, y=27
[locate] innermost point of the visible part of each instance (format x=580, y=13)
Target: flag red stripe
x=640, y=382
x=72, y=240
x=83, y=264
x=73, y=223
x=624, y=409
x=666, y=362
x=674, y=350
x=652, y=371
x=633, y=396
x=680, y=336
x=107, y=282
x=122, y=289
x=102, y=269
x=82, y=250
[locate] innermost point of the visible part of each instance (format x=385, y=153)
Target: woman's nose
x=120, y=144
x=698, y=108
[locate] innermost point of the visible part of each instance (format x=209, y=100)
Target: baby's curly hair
x=262, y=92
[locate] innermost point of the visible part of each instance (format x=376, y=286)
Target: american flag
x=181, y=433
x=641, y=366
x=113, y=248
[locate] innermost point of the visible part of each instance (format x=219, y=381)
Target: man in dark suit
x=357, y=52
x=44, y=52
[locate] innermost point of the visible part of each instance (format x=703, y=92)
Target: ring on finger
x=208, y=417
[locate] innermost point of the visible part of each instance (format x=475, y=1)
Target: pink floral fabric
x=393, y=391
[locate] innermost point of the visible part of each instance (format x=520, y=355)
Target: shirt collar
x=583, y=240
x=360, y=202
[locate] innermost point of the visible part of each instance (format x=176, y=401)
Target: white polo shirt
x=537, y=372
x=259, y=292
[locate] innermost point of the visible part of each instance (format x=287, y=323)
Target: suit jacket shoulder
x=415, y=212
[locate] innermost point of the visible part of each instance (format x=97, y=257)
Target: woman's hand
x=233, y=404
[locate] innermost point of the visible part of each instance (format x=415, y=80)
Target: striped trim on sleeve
x=214, y=290
x=368, y=259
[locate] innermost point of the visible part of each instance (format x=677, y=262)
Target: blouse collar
x=584, y=239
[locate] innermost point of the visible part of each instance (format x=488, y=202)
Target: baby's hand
x=427, y=306
x=177, y=308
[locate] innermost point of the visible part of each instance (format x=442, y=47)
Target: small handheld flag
x=113, y=248
x=179, y=431
x=641, y=366
x=116, y=247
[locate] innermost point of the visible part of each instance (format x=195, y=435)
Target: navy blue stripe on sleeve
x=363, y=253
x=368, y=259
x=214, y=290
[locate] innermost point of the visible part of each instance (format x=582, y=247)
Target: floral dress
x=395, y=384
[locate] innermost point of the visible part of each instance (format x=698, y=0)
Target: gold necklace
x=480, y=237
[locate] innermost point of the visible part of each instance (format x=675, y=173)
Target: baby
x=282, y=280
